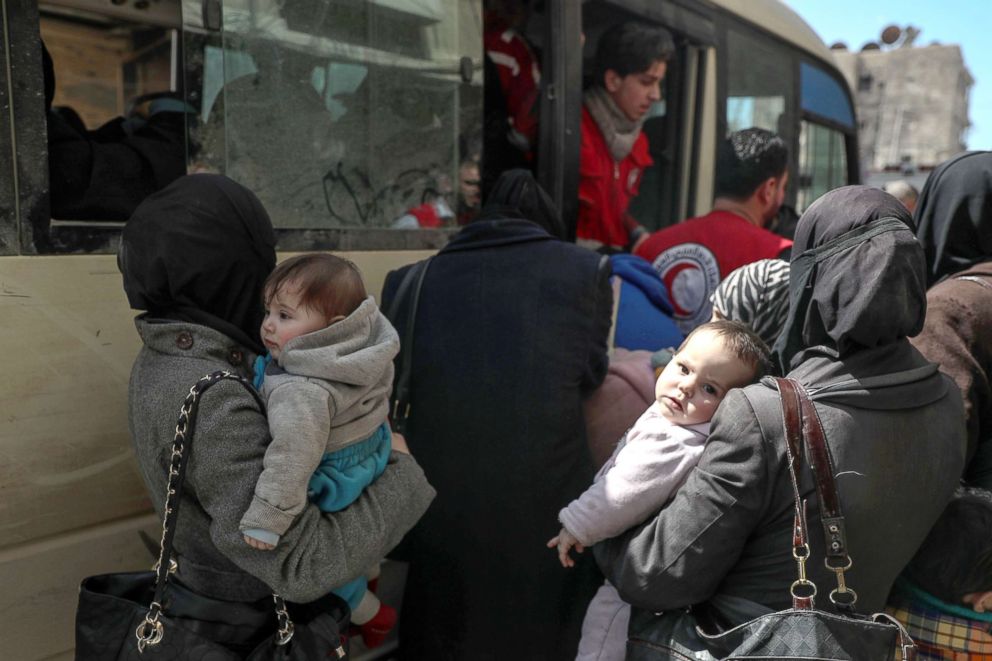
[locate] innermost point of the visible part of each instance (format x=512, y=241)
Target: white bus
x=342, y=115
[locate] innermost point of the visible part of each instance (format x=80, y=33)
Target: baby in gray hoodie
x=326, y=382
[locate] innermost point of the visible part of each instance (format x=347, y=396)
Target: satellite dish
x=871, y=45
x=891, y=34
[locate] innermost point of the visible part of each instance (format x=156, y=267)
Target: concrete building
x=912, y=106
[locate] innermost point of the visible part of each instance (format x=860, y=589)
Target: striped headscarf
x=756, y=294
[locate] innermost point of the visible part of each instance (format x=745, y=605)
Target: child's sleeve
x=299, y=416
x=644, y=476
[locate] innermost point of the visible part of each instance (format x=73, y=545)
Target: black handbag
x=144, y=615
x=801, y=632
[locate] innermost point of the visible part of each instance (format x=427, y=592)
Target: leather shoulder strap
x=410, y=288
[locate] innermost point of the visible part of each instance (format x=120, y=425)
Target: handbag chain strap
x=150, y=632
x=802, y=422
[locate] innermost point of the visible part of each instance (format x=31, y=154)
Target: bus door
x=679, y=126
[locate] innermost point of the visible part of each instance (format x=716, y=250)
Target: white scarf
x=619, y=131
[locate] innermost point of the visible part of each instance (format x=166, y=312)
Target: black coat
x=510, y=335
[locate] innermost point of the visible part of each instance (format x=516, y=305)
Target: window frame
x=726, y=22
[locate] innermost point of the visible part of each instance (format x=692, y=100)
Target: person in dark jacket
x=892, y=422
x=955, y=227
x=511, y=333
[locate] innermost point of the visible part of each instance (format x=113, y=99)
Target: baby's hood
x=355, y=351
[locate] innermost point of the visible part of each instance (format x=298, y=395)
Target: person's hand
x=258, y=544
x=565, y=540
x=399, y=443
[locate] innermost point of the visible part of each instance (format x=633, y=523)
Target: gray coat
x=320, y=551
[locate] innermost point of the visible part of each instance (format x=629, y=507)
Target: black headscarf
x=199, y=250
x=516, y=194
x=857, y=278
x=954, y=215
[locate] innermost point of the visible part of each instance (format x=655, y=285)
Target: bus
x=346, y=117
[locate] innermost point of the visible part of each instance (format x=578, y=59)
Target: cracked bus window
x=343, y=115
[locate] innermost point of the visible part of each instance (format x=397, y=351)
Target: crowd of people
x=605, y=394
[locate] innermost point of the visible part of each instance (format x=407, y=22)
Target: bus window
x=760, y=89
x=341, y=115
x=822, y=95
x=114, y=116
x=822, y=162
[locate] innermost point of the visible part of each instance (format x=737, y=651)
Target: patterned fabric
x=758, y=295
x=940, y=636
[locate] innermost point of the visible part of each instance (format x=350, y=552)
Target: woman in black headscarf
x=954, y=216
x=721, y=546
x=510, y=336
x=516, y=194
x=194, y=257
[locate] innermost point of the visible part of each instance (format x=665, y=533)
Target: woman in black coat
x=510, y=335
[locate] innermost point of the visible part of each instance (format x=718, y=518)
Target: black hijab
x=857, y=278
x=954, y=215
x=200, y=250
x=516, y=194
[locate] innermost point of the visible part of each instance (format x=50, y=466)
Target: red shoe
x=374, y=631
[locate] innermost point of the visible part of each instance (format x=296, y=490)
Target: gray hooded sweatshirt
x=330, y=390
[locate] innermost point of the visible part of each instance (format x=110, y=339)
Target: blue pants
x=340, y=479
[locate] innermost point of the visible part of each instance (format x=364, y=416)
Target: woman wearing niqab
x=954, y=216
x=857, y=283
x=194, y=257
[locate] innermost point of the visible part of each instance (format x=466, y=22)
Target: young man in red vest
x=694, y=256
x=630, y=64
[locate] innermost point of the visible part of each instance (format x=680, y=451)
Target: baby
x=326, y=381
x=653, y=459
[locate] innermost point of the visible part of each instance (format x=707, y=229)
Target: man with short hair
x=630, y=64
x=694, y=256
x=903, y=191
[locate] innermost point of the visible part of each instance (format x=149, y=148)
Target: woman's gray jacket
x=320, y=551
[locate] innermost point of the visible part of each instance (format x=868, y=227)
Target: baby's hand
x=257, y=544
x=565, y=540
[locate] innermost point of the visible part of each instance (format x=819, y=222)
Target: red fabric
x=426, y=215
x=519, y=77
x=694, y=256
x=607, y=187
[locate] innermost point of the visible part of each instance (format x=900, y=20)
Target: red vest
x=694, y=256
x=519, y=79
x=605, y=186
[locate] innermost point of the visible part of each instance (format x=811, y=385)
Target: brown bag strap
x=802, y=423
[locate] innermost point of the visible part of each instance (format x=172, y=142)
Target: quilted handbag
x=801, y=632
x=128, y=616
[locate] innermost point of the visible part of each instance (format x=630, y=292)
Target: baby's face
x=698, y=377
x=286, y=318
